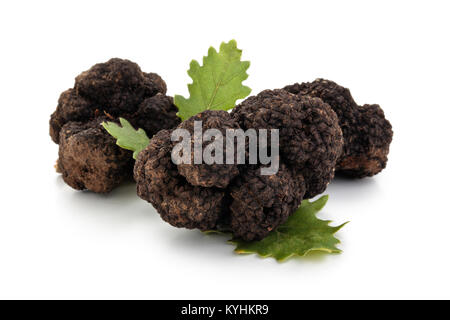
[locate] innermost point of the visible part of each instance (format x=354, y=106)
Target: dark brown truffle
x=261, y=203
x=367, y=133
x=238, y=197
x=71, y=107
x=117, y=88
x=178, y=202
x=155, y=113
x=310, y=138
x=118, y=85
x=90, y=159
x=210, y=175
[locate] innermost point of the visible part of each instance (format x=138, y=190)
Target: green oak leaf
x=217, y=84
x=127, y=137
x=301, y=234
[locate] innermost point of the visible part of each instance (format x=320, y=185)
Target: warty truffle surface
x=117, y=88
x=367, y=132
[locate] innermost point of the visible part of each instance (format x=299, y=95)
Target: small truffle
x=71, y=107
x=310, y=138
x=90, y=159
x=178, y=202
x=117, y=88
x=367, y=133
x=261, y=203
x=210, y=175
x=155, y=113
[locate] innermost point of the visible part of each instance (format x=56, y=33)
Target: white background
x=59, y=243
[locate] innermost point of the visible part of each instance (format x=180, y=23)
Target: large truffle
x=367, y=133
x=117, y=88
x=310, y=138
x=238, y=197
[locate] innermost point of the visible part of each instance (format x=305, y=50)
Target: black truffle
x=210, y=175
x=178, y=202
x=367, y=133
x=237, y=197
x=89, y=157
x=310, y=138
x=117, y=88
x=261, y=202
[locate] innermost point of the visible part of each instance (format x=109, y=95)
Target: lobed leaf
x=127, y=137
x=301, y=234
x=217, y=84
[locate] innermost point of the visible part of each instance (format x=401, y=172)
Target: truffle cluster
x=237, y=197
x=88, y=156
x=367, y=133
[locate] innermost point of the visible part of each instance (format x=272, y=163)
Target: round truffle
x=90, y=159
x=260, y=203
x=213, y=174
x=309, y=135
x=178, y=202
x=367, y=133
x=155, y=113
